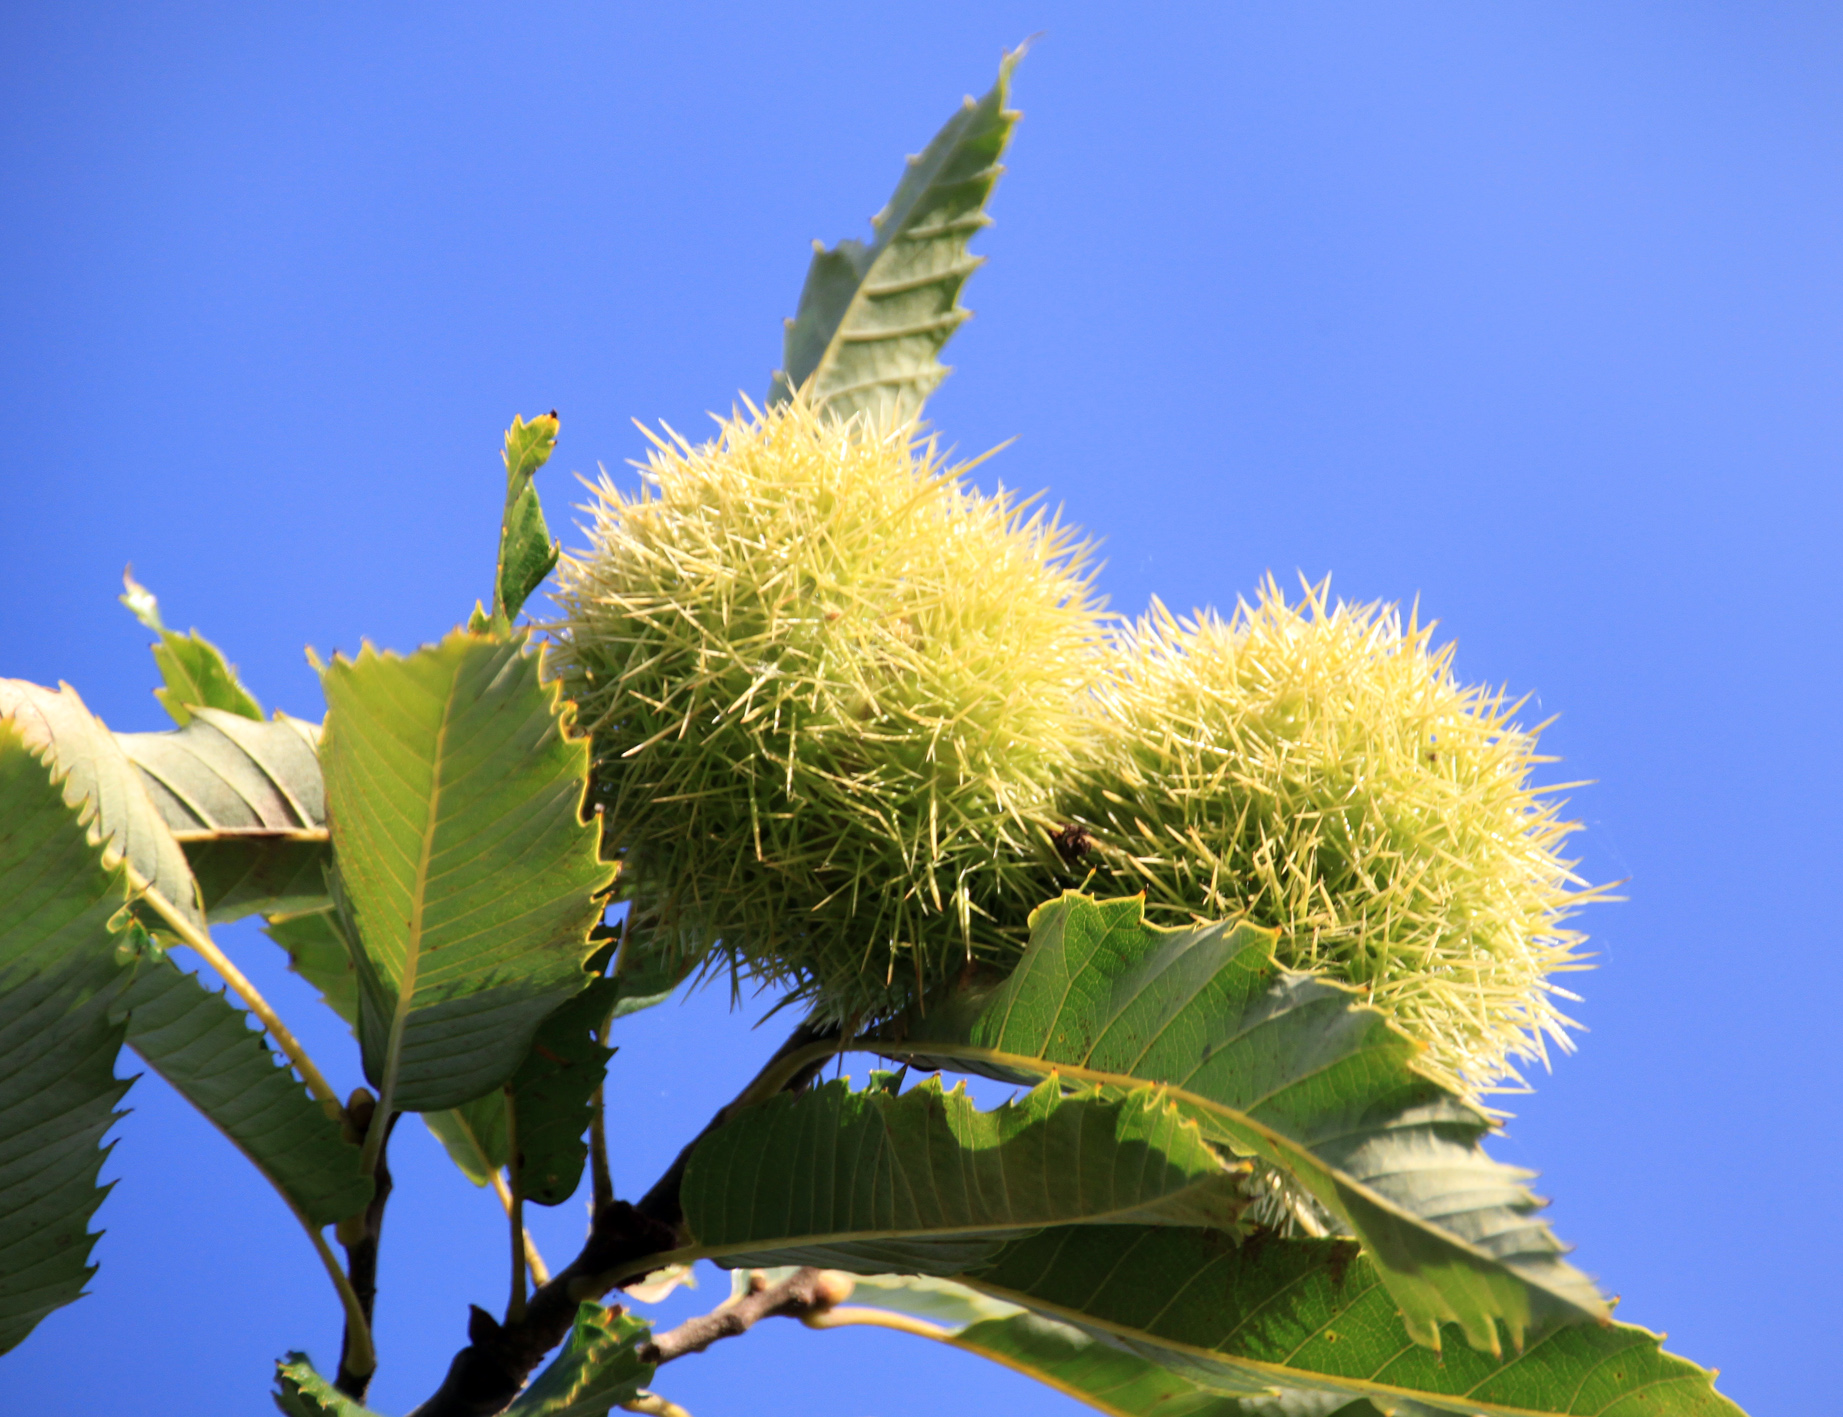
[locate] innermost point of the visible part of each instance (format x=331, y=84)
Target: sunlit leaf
x=455, y=803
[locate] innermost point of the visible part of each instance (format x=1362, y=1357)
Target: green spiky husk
x=1318, y=769
x=833, y=692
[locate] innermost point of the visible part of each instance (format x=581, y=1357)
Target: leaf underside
x=96, y=770
x=202, y=1044
x=455, y=801
x=58, y=1042
x=246, y=802
x=923, y=1181
x=1289, y=1068
x=873, y=319
x=1315, y=1314
x=301, y=1392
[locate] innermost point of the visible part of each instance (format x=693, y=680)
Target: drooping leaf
x=1289, y=1068
x=203, y=1045
x=246, y=803
x=551, y=1091
x=195, y=670
x=58, y=980
x=873, y=319
x=317, y=951
x=1315, y=1314
x=597, y=1368
x=526, y=552
x=924, y=1182
x=94, y=768
x=454, y=800
x=301, y=1392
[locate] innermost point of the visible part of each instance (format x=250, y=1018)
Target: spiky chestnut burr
x=832, y=691
x=1317, y=768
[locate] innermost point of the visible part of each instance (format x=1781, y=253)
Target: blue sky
x=1530, y=312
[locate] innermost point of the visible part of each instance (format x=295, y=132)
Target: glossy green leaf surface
x=454, y=800
x=925, y=1182
x=246, y=802
x=195, y=672
x=526, y=552
x=203, y=1045
x=1289, y=1068
x=873, y=319
x=96, y=770
x=301, y=1392
x=1316, y=1314
x=597, y=1368
x=58, y=980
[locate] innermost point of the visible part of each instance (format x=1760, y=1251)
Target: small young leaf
x=59, y=978
x=526, y=552
x=597, y=1368
x=301, y=1392
x=455, y=802
x=195, y=670
x=873, y=319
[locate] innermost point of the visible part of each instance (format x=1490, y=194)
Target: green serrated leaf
x=873, y=319
x=455, y=802
x=598, y=1368
x=551, y=1091
x=923, y=1181
x=301, y=1392
x=94, y=769
x=526, y=553
x=195, y=670
x=1289, y=1068
x=246, y=803
x=58, y=981
x=1316, y=1314
x=203, y=1045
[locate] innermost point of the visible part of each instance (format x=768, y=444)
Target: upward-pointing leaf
x=58, y=979
x=246, y=803
x=195, y=670
x=925, y=1182
x=95, y=769
x=872, y=319
x=526, y=552
x=1288, y=1068
x=202, y=1044
x=455, y=805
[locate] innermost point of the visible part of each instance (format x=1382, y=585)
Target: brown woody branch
x=360, y=1240
x=488, y=1373
x=804, y=1292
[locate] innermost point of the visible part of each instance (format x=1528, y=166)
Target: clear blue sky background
x=1530, y=311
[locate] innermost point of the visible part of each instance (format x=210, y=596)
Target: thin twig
x=804, y=1292
x=515, y=1306
x=625, y=1242
x=362, y=1248
x=540, y=1272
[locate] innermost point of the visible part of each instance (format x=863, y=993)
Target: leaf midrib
x=412, y=944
